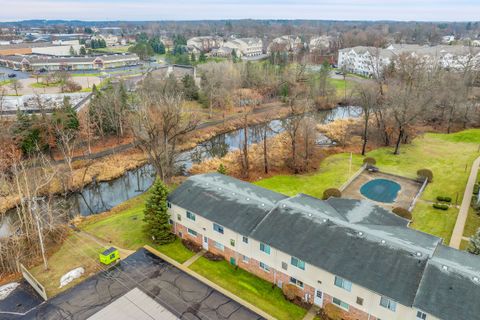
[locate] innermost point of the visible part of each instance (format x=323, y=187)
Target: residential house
x=320, y=43
x=248, y=47
x=351, y=254
x=287, y=43
x=204, y=44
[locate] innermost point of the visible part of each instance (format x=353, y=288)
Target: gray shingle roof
x=450, y=287
x=232, y=203
x=354, y=239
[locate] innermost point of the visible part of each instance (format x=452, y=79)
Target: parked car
x=339, y=73
x=12, y=75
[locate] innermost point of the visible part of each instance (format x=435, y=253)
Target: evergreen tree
x=203, y=57
x=83, y=51
x=222, y=169
x=190, y=89
x=474, y=247
x=193, y=59
x=156, y=215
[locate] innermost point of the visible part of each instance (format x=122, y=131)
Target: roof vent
x=219, y=188
x=309, y=214
x=233, y=193
x=248, y=199
x=418, y=254
x=476, y=279
x=360, y=233
x=263, y=204
x=325, y=220
x=284, y=205
x=383, y=241
x=445, y=268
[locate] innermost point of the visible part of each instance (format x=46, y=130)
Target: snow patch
x=71, y=275
x=5, y=290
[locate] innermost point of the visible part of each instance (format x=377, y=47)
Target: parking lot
x=144, y=281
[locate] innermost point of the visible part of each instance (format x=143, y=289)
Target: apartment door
x=205, y=243
x=318, y=300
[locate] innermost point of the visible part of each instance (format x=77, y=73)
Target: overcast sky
x=420, y=10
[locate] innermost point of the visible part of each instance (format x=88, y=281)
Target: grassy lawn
x=472, y=225
x=5, y=82
x=250, y=288
x=333, y=172
x=124, y=227
x=448, y=156
x=75, y=252
x=42, y=85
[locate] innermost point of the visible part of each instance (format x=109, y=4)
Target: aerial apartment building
x=370, y=61
x=352, y=254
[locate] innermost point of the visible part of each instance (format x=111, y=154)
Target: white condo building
x=369, y=61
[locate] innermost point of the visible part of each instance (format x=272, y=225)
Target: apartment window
x=421, y=315
x=170, y=221
x=264, y=267
x=219, y=246
x=265, y=248
x=192, y=232
x=360, y=301
x=232, y=242
x=340, y=304
x=296, y=282
x=179, y=217
x=284, y=266
x=298, y=263
x=342, y=283
x=389, y=304
x=190, y=216
x=218, y=228
x=169, y=205
x=245, y=259
x=245, y=240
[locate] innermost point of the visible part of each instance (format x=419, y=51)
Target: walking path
x=190, y=261
x=311, y=314
x=463, y=213
x=210, y=283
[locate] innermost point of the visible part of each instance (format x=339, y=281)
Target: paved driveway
x=172, y=289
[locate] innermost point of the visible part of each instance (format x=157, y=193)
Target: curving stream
x=102, y=196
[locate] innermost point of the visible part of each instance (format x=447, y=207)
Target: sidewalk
x=457, y=234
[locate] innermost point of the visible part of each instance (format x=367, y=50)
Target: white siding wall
x=312, y=276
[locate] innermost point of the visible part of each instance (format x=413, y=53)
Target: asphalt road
x=179, y=293
x=4, y=72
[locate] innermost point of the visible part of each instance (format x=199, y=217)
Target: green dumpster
x=108, y=256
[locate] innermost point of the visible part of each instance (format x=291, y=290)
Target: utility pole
x=40, y=235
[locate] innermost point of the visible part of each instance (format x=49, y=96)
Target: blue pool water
x=381, y=190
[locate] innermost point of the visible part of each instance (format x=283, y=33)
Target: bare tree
x=16, y=85
x=367, y=98
x=159, y=125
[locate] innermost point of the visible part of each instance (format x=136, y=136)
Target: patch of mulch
x=301, y=303
x=192, y=246
x=213, y=257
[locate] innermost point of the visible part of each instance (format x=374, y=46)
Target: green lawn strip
x=333, y=172
x=125, y=227
x=5, y=82
x=433, y=221
x=250, y=288
x=464, y=245
x=472, y=224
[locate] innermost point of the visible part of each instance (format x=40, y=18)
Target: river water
x=102, y=196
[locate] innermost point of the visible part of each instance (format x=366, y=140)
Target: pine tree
x=474, y=247
x=222, y=169
x=156, y=215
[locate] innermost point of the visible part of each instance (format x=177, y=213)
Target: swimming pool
x=381, y=190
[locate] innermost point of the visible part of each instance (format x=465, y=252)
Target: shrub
x=402, y=212
x=213, y=257
x=222, y=169
x=192, y=246
x=440, y=206
x=444, y=199
x=289, y=291
x=476, y=188
x=425, y=174
x=331, y=192
x=370, y=161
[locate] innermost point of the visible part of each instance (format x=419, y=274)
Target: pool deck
x=405, y=196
